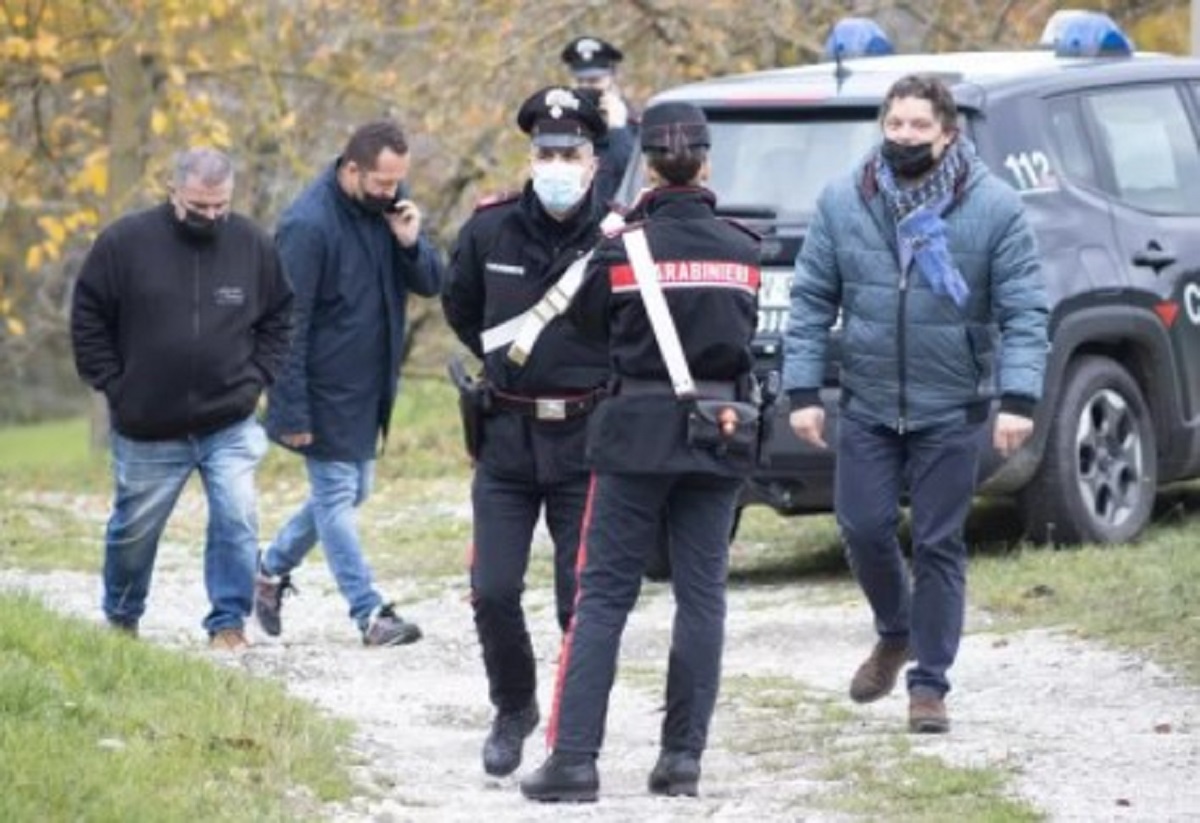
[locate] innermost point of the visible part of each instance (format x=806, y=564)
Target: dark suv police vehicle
x=1104, y=146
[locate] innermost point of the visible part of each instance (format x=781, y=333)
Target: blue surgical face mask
x=559, y=186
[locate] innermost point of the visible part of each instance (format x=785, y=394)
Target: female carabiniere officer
x=648, y=462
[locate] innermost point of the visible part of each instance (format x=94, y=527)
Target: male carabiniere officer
x=500, y=295
x=593, y=66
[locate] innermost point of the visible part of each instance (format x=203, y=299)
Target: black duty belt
x=713, y=389
x=562, y=407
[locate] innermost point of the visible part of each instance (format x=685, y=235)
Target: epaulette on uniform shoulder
x=492, y=200
x=617, y=231
x=613, y=223
x=743, y=228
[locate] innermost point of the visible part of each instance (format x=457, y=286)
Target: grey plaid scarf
x=937, y=186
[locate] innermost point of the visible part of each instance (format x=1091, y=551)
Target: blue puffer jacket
x=912, y=357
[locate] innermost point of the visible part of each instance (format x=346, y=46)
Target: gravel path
x=1089, y=734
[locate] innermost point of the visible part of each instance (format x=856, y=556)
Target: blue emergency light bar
x=856, y=37
x=1085, y=34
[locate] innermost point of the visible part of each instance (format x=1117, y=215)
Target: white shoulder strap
x=523, y=330
x=646, y=274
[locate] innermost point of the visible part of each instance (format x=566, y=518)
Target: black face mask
x=908, y=162
x=374, y=204
x=199, y=225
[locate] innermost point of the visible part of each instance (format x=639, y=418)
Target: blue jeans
x=148, y=476
x=938, y=465
x=329, y=515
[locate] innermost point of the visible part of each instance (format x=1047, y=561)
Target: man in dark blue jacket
x=353, y=249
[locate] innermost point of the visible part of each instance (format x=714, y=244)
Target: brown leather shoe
x=927, y=714
x=876, y=677
x=228, y=640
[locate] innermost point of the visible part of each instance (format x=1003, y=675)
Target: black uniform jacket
x=506, y=257
x=709, y=272
x=180, y=334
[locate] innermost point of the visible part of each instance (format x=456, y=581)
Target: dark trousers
x=506, y=512
x=938, y=465
x=622, y=527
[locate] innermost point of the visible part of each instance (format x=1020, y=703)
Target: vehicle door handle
x=1153, y=257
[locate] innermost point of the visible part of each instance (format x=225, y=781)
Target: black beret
x=558, y=116
x=591, y=56
x=674, y=127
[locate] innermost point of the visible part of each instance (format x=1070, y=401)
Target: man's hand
x=296, y=441
x=1011, y=432
x=615, y=112
x=809, y=425
x=405, y=222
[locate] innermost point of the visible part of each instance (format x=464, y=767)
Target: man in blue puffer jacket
x=926, y=254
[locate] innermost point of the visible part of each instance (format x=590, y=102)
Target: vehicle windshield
x=784, y=164
x=772, y=166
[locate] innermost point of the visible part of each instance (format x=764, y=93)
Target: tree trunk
x=130, y=97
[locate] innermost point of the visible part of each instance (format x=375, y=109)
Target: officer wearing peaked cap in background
x=660, y=447
x=530, y=414
x=593, y=65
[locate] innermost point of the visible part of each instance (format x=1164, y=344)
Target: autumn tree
x=97, y=94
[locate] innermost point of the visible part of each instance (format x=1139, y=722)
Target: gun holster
x=473, y=402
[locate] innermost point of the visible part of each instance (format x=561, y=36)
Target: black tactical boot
x=568, y=777
x=502, y=749
x=675, y=774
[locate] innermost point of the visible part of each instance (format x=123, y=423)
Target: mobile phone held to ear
x=402, y=196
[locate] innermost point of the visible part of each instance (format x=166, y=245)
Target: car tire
x=1098, y=475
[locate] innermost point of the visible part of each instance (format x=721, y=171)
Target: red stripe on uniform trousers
x=564, y=652
x=691, y=274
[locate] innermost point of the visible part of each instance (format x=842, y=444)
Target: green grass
x=892, y=782
x=53, y=454
x=216, y=733
x=1143, y=597
x=804, y=740
x=97, y=727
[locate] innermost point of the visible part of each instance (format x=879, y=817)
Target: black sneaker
x=269, y=591
x=386, y=628
x=129, y=628
x=675, y=774
x=502, y=749
x=566, y=777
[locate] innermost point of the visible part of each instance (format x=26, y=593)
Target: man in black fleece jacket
x=181, y=317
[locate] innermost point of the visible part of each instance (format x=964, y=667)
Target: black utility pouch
x=706, y=427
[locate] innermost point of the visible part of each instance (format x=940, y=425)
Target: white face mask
x=560, y=186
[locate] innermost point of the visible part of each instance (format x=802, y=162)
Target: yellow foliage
x=54, y=228
x=15, y=327
x=1167, y=31
x=33, y=258
x=16, y=48
x=45, y=46
x=158, y=122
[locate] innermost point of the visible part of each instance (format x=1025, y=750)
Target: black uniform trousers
x=506, y=512
x=622, y=527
